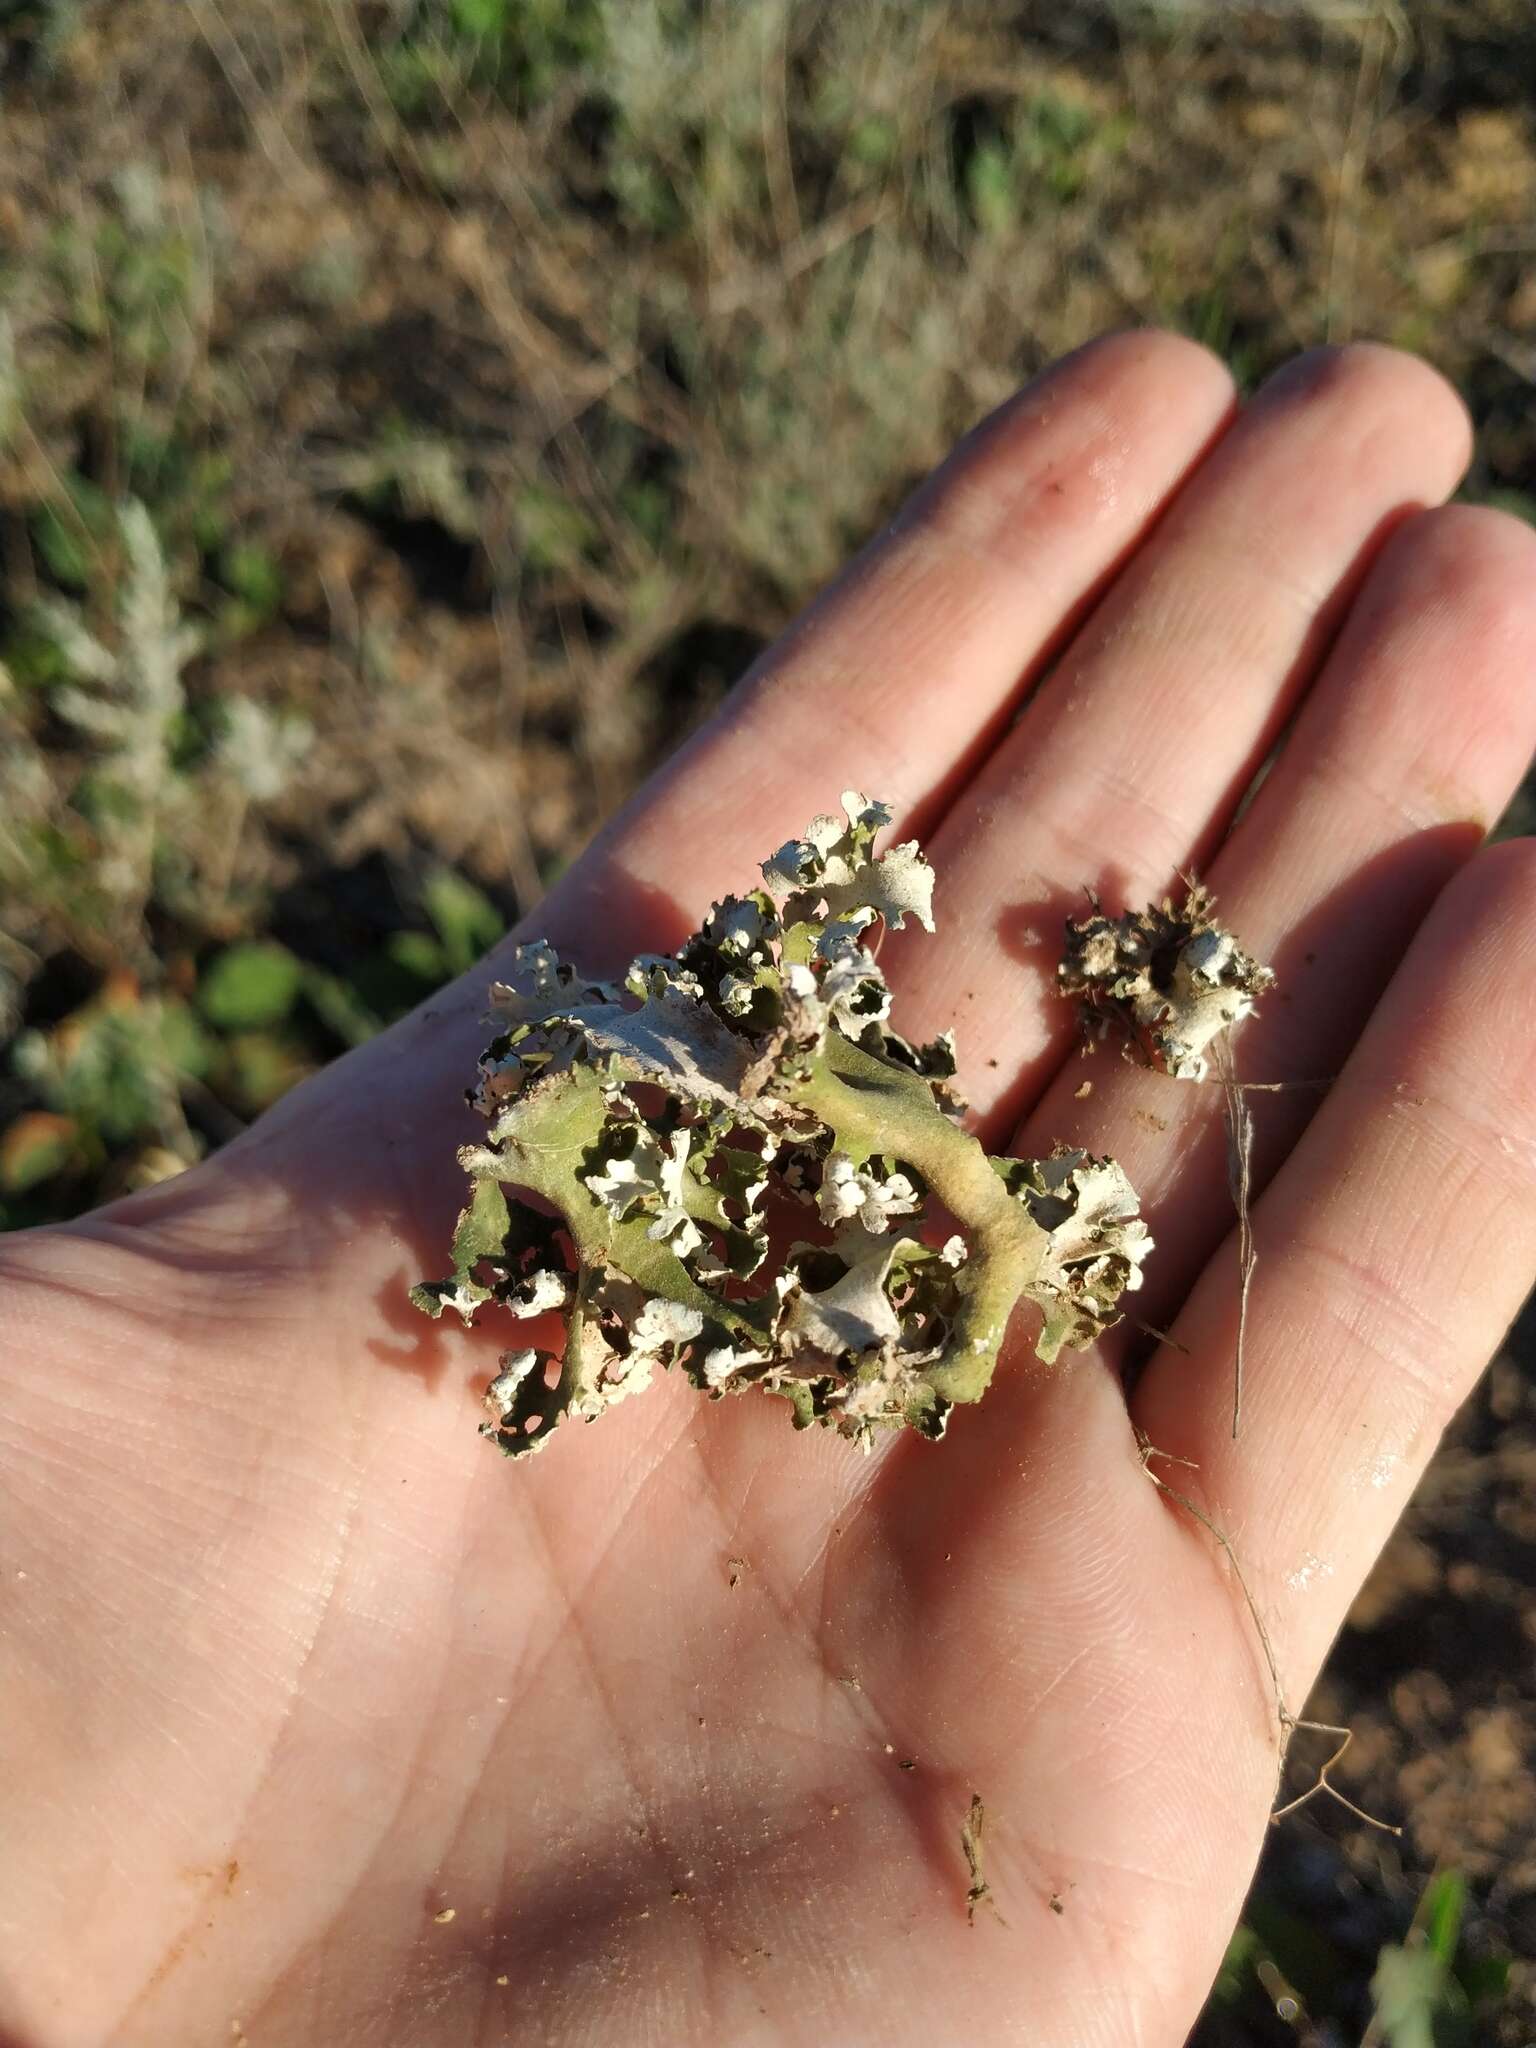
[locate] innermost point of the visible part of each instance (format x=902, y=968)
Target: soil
x=1435, y=1677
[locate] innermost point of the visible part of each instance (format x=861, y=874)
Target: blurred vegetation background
x=414, y=414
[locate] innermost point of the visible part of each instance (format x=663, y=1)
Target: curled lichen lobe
x=1169, y=980
x=729, y=1162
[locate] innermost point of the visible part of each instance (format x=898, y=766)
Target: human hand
x=296, y=1666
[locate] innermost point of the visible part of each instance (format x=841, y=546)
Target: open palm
x=322, y=1724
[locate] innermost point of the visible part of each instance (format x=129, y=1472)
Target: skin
x=295, y=1664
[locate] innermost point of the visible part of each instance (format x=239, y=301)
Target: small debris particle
x=448, y=1913
x=485, y=1912
x=734, y=1567
x=1058, y=1903
x=852, y=1684
x=980, y=1892
x=503, y=1980
x=681, y=1897
x=1083, y=1090
x=991, y=1063
x=890, y=1749
x=906, y=1763
x=836, y=1810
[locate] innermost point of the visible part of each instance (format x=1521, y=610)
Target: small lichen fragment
x=833, y=862
x=728, y=1162
x=1170, y=980
x=1098, y=1241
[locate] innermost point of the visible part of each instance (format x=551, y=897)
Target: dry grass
x=518, y=410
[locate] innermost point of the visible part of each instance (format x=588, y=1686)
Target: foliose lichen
x=729, y=1162
x=1169, y=980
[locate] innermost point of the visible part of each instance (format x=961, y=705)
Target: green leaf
x=1484, y=1978
x=555, y=531
x=1440, y=1914
x=69, y=534
x=34, y=658
x=873, y=141
x=1236, y=1972
x=1303, y=1955
x=249, y=985
x=33, y=1149
x=183, y=1042
x=259, y=1067
x=253, y=575
x=420, y=955
x=466, y=919
x=481, y=17
x=339, y=1007
x=992, y=188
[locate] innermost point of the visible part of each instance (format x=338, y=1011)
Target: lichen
x=729, y=1163
x=1171, y=981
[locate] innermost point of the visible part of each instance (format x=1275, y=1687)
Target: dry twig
x=1288, y=1722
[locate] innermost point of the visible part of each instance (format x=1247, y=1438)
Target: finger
x=901, y=671
x=1397, y=1243
x=1383, y=790
x=1129, y=761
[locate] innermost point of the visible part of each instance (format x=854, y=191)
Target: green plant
x=1426, y=1992
x=126, y=702
x=1048, y=149
x=520, y=50
x=118, y=790
x=249, y=985
x=131, y=274
x=107, y=1083
x=465, y=924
